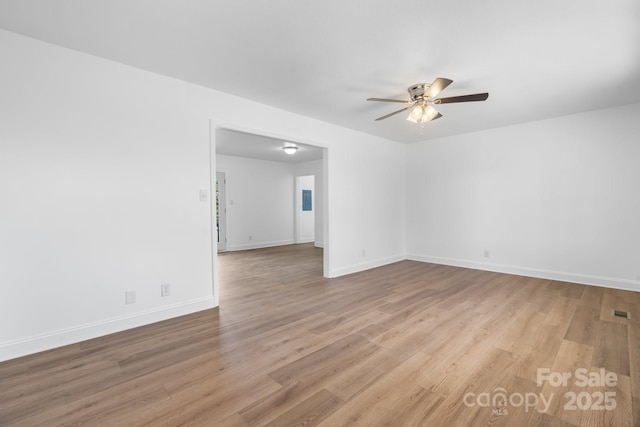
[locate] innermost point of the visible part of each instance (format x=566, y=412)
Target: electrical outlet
x=487, y=254
x=165, y=289
x=130, y=297
x=250, y=238
x=364, y=253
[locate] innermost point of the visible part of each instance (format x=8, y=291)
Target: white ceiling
x=240, y=144
x=537, y=59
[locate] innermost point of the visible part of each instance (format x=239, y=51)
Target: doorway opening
x=248, y=170
x=305, y=215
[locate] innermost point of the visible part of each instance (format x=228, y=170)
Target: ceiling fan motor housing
x=416, y=92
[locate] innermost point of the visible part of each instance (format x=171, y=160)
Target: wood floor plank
x=233, y=420
x=300, y=378
x=415, y=333
x=493, y=370
x=367, y=408
x=325, y=357
x=518, y=337
x=536, y=292
x=541, y=352
x=400, y=345
x=610, y=337
x=567, y=290
x=397, y=315
x=635, y=408
x=416, y=411
x=112, y=404
x=571, y=356
x=309, y=412
x=545, y=420
x=204, y=402
x=582, y=328
x=592, y=296
x=352, y=381
x=561, y=313
x=621, y=416
x=633, y=336
x=450, y=367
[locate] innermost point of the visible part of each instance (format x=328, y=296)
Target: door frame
x=221, y=204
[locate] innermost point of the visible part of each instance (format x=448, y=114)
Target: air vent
x=621, y=313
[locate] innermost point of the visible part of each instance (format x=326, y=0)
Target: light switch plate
x=165, y=289
x=130, y=297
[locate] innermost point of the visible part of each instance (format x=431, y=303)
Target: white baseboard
x=259, y=245
x=318, y=244
x=585, y=279
x=355, y=268
x=62, y=337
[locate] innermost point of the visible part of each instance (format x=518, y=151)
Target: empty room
x=285, y=213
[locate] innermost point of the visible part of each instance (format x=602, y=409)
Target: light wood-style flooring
x=408, y=344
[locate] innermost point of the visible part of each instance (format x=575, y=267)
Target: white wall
x=100, y=170
x=371, y=205
x=305, y=220
x=558, y=198
x=99, y=180
x=260, y=202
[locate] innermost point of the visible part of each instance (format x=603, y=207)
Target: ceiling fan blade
x=462, y=98
x=394, y=113
x=388, y=100
x=436, y=87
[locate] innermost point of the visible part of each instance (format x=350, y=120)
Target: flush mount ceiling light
x=423, y=96
x=290, y=149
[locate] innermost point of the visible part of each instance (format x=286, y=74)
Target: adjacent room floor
x=410, y=344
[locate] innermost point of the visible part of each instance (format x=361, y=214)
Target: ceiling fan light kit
x=423, y=97
x=422, y=114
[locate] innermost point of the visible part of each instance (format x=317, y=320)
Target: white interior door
x=221, y=210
